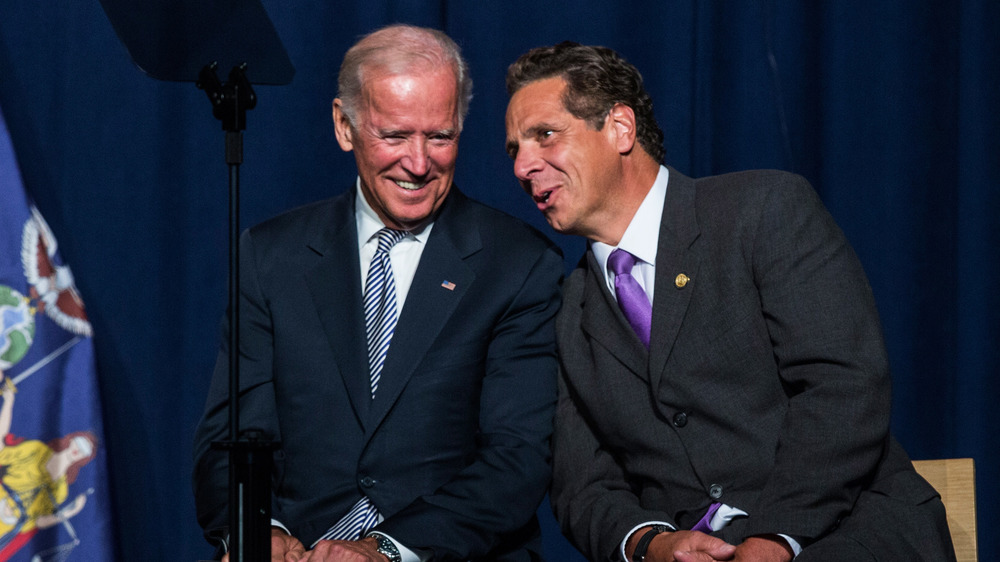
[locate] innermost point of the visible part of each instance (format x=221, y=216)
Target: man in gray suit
x=725, y=390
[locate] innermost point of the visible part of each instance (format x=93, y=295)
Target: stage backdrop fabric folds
x=889, y=107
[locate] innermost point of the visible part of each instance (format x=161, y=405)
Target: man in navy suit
x=445, y=454
x=724, y=388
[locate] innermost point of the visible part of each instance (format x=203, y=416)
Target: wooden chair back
x=955, y=480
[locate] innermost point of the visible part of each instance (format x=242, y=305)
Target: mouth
x=543, y=198
x=409, y=185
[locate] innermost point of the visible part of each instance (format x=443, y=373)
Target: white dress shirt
x=404, y=256
x=640, y=238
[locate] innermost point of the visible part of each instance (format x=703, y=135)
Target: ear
x=342, y=127
x=621, y=121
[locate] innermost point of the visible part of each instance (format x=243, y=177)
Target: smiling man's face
x=405, y=143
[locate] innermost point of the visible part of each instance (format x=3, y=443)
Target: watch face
x=386, y=547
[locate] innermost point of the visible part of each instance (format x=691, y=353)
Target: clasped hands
x=695, y=546
x=286, y=548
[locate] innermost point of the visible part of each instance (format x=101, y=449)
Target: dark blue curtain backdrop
x=889, y=107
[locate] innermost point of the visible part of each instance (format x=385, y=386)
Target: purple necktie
x=631, y=298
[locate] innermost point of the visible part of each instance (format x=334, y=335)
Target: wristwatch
x=639, y=555
x=386, y=547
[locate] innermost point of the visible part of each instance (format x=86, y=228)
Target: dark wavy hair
x=597, y=79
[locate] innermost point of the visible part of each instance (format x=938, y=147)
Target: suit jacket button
x=367, y=482
x=680, y=419
x=715, y=491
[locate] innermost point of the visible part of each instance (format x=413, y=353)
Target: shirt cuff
x=276, y=523
x=628, y=535
x=796, y=547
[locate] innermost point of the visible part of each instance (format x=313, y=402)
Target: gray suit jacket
x=766, y=385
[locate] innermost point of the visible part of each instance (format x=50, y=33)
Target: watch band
x=639, y=554
x=386, y=547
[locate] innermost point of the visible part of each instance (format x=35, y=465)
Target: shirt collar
x=643, y=232
x=369, y=224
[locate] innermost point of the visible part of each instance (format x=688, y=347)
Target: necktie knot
x=621, y=262
x=387, y=238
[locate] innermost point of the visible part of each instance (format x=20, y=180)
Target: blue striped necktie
x=380, y=303
x=380, y=321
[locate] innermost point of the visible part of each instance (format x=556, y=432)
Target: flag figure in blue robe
x=54, y=492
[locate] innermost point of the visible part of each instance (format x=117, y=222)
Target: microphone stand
x=250, y=452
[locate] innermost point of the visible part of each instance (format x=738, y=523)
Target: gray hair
x=398, y=49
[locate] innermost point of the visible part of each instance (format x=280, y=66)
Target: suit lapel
x=335, y=286
x=675, y=256
x=604, y=321
x=429, y=304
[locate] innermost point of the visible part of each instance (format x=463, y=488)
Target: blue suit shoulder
x=498, y=230
x=312, y=217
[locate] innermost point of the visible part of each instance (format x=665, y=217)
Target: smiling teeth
x=410, y=186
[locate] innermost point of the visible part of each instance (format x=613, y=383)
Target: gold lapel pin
x=681, y=280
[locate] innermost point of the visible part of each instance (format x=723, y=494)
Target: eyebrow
x=531, y=132
x=511, y=148
x=405, y=132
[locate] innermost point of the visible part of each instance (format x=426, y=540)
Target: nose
x=417, y=159
x=526, y=163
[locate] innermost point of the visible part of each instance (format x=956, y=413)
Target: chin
x=555, y=225
x=410, y=220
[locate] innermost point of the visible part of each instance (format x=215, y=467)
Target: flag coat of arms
x=54, y=493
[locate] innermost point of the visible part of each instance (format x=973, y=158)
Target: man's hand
x=682, y=546
x=765, y=548
x=364, y=550
x=284, y=547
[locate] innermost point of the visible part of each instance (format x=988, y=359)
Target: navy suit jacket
x=454, y=448
x=766, y=384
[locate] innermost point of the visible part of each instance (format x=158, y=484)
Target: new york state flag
x=54, y=493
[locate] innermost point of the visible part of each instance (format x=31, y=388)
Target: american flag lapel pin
x=448, y=285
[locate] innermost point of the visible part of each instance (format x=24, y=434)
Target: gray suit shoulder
x=752, y=192
x=750, y=183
